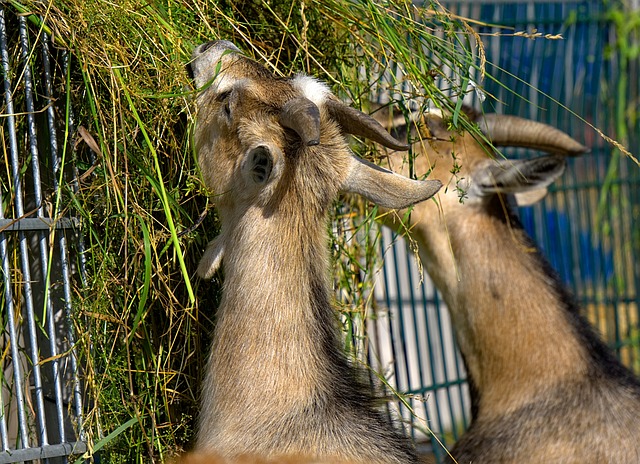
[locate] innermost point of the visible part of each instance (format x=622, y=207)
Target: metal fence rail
x=587, y=226
x=40, y=394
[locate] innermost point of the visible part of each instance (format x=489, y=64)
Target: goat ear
x=258, y=165
x=212, y=258
x=386, y=188
x=527, y=179
x=531, y=197
x=355, y=122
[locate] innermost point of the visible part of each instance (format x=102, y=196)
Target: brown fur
x=545, y=388
x=193, y=458
x=277, y=382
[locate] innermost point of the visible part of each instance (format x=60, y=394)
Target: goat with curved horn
x=513, y=131
x=355, y=122
x=544, y=386
x=278, y=385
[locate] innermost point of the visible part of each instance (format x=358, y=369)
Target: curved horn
x=302, y=115
x=355, y=122
x=386, y=188
x=512, y=131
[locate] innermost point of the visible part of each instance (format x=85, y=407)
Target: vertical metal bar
x=15, y=355
x=77, y=389
x=4, y=434
x=402, y=348
x=13, y=151
x=441, y=433
x=8, y=294
x=33, y=149
x=419, y=334
x=402, y=325
x=389, y=303
x=55, y=167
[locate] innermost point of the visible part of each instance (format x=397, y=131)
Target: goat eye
x=224, y=97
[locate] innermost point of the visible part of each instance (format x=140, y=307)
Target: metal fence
x=40, y=251
x=588, y=226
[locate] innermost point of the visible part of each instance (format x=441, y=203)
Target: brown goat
x=278, y=383
x=544, y=387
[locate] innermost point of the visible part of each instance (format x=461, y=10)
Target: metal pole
x=13, y=150
x=55, y=167
x=24, y=250
x=77, y=389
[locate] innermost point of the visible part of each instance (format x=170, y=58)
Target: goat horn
x=355, y=122
x=512, y=131
x=302, y=116
x=386, y=188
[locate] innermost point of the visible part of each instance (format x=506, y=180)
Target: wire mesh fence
x=40, y=251
x=587, y=226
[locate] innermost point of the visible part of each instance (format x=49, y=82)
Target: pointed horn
x=302, y=116
x=512, y=131
x=386, y=188
x=355, y=122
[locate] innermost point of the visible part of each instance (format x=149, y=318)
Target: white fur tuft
x=311, y=88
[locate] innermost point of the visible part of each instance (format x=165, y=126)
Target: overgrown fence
x=41, y=403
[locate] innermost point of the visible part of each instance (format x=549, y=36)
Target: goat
x=198, y=458
x=544, y=387
x=277, y=383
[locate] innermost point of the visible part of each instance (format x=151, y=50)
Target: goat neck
x=274, y=153
x=535, y=366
